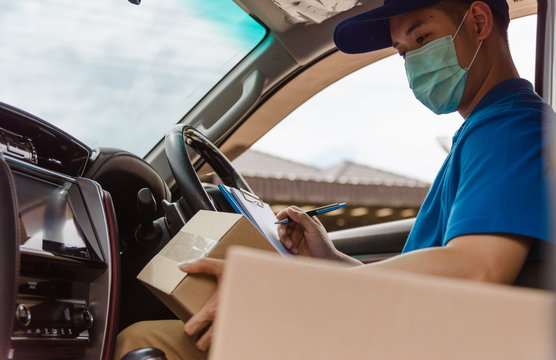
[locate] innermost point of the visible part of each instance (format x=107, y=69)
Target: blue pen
x=317, y=211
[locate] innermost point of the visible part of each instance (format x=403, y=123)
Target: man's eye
x=421, y=39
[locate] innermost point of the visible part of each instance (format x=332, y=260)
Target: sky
x=371, y=117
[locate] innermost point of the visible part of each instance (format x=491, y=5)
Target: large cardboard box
x=207, y=234
x=308, y=310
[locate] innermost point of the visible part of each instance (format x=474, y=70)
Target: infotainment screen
x=48, y=219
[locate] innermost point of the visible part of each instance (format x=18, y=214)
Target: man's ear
x=483, y=20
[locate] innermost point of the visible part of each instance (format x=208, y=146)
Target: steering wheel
x=179, y=143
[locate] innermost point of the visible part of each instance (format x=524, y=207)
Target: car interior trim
x=71, y=161
x=113, y=304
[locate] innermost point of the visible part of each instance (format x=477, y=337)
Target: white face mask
x=435, y=76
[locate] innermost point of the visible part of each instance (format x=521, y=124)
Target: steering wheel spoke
x=178, y=143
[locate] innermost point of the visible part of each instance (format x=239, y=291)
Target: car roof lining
x=295, y=37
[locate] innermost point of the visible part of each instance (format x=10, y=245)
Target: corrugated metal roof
x=373, y=195
x=318, y=192
x=257, y=164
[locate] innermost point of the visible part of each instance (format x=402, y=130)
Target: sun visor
x=313, y=11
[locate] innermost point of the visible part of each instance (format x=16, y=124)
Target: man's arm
x=496, y=258
x=484, y=257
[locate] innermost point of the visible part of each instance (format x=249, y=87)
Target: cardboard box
x=207, y=234
x=303, y=310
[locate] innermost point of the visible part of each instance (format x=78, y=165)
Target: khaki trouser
x=166, y=335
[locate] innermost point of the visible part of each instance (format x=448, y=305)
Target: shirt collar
x=505, y=88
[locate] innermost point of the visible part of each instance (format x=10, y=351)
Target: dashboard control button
x=82, y=319
x=23, y=315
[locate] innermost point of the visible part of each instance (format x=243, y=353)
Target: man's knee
x=166, y=335
x=135, y=336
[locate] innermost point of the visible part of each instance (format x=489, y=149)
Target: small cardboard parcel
x=207, y=234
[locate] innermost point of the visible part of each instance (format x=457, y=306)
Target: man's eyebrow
x=413, y=27
x=409, y=31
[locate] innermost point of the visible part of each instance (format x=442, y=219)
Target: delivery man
x=486, y=212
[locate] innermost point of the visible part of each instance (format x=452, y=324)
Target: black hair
x=455, y=9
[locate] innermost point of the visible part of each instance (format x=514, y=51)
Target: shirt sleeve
x=502, y=186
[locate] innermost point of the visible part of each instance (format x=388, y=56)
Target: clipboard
x=257, y=211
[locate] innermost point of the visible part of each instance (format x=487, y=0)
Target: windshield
x=115, y=74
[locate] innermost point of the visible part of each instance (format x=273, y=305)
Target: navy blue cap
x=370, y=30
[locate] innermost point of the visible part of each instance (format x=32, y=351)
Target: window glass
x=115, y=74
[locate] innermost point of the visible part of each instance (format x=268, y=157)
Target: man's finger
x=282, y=214
x=198, y=322
x=300, y=217
x=284, y=236
x=204, y=342
x=203, y=266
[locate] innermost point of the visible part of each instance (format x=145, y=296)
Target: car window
x=115, y=74
x=369, y=128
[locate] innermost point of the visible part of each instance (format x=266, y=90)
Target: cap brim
x=370, y=31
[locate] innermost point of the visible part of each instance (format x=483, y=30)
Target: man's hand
x=305, y=235
x=205, y=317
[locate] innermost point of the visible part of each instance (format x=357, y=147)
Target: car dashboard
x=66, y=306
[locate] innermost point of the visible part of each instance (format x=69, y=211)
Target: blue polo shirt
x=495, y=177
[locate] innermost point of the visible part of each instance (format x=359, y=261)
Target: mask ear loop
x=474, y=56
x=478, y=48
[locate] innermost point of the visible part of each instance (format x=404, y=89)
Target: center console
x=67, y=298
